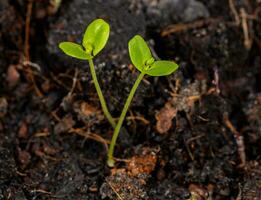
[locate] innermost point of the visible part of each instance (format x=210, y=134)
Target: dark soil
x=193, y=135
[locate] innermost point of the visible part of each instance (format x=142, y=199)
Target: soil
x=193, y=135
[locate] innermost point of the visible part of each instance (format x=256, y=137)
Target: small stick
x=239, y=140
x=114, y=190
x=27, y=30
x=42, y=191
x=248, y=40
x=216, y=80
x=26, y=65
x=194, y=138
x=74, y=82
x=140, y=118
x=90, y=135
x=234, y=11
x=186, y=26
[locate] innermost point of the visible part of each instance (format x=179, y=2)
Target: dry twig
x=234, y=11
x=247, y=36
x=187, y=26
x=27, y=67
x=239, y=140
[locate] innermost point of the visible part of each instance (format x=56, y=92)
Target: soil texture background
x=193, y=135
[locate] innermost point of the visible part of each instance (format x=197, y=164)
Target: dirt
x=193, y=135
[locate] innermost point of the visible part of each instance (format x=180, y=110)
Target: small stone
x=12, y=76
x=194, y=10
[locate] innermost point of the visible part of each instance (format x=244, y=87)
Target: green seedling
x=143, y=60
x=94, y=40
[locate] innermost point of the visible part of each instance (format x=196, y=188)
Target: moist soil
x=193, y=135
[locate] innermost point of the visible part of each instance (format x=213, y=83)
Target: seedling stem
x=117, y=129
x=100, y=95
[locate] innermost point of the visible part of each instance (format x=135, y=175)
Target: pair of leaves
x=142, y=59
x=94, y=40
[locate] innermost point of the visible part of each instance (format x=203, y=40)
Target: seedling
x=143, y=60
x=94, y=40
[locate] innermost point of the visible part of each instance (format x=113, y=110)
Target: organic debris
x=183, y=100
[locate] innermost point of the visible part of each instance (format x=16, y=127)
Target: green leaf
x=96, y=36
x=162, y=68
x=74, y=50
x=139, y=52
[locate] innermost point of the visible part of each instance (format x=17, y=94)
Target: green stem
x=116, y=132
x=100, y=95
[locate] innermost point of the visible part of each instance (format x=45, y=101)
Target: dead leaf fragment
x=64, y=125
x=183, y=100
x=87, y=113
x=164, y=118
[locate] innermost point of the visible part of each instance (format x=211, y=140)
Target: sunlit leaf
x=74, y=50
x=96, y=36
x=162, y=68
x=139, y=52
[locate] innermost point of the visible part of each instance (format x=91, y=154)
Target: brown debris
x=24, y=157
x=251, y=186
x=23, y=130
x=128, y=183
x=239, y=140
x=187, y=26
x=88, y=135
x=121, y=186
x=45, y=151
x=64, y=125
x=53, y=6
x=49, y=150
x=139, y=165
x=27, y=68
x=234, y=11
x=144, y=163
x=87, y=112
x=184, y=100
x=46, y=86
x=164, y=118
x=248, y=40
x=244, y=19
x=198, y=192
x=140, y=118
x=12, y=76
x=27, y=30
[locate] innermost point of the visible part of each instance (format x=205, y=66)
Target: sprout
x=142, y=59
x=94, y=40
